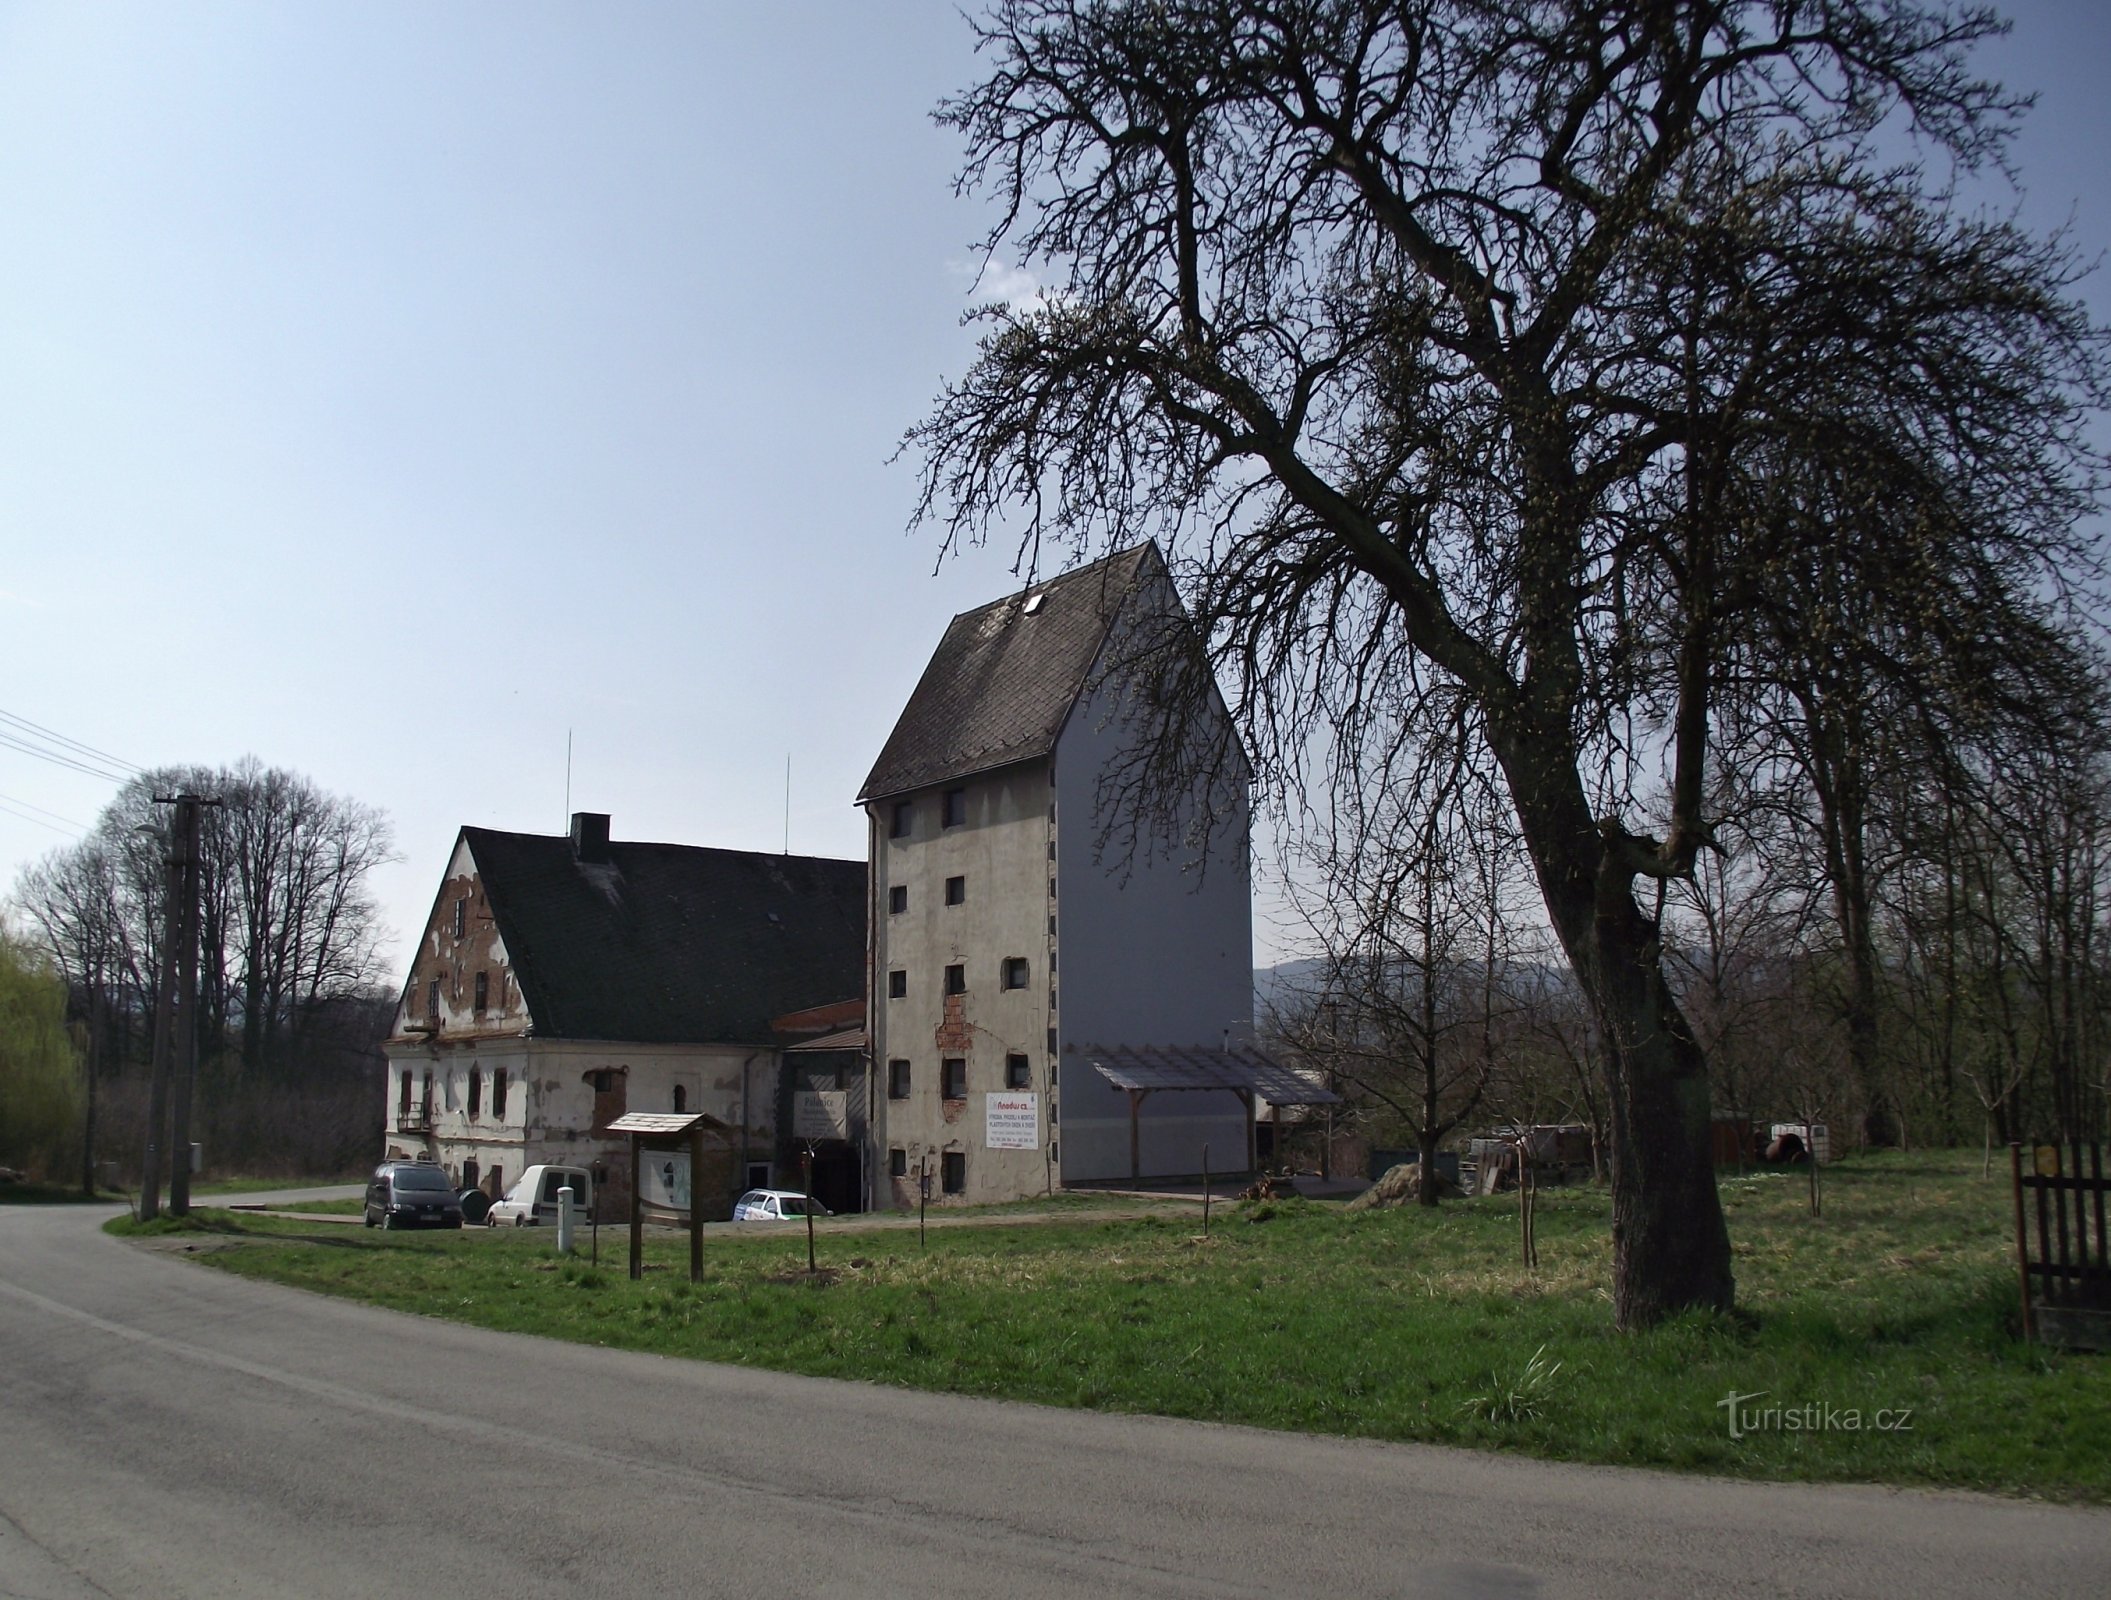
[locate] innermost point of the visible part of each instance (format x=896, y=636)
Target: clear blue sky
x=387, y=389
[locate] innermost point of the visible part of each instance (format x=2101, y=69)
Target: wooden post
x=1135, y=1135
x=696, y=1204
x=2015, y=1169
x=1253, y=1157
x=637, y=1215
x=1205, y=1191
x=806, y=1182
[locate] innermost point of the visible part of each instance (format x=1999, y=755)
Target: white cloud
x=999, y=282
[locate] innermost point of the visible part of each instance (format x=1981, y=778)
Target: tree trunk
x=1671, y=1246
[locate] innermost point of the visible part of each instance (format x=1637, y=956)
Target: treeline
x=1913, y=949
x=292, y=998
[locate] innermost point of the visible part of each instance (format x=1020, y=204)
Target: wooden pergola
x=660, y=1130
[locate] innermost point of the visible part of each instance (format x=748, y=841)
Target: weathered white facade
x=485, y=1077
x=1004, y=948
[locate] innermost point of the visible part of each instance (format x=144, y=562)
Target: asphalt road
x=168, y=1431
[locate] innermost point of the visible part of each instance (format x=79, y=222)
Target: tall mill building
x=1049, y=1005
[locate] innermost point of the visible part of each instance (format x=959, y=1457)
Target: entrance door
x=838, y=1180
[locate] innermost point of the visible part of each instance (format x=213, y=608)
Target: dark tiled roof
x=1003, y=680
x=670, y=943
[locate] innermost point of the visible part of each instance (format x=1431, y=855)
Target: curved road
x=169, y=1431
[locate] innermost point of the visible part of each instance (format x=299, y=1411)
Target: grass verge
x=1398, y=1325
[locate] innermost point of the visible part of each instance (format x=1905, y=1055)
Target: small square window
x=1017, y=1073
x=1015, y=972
x=897, y=1163
x=953, y=1171
x=902, y=819
x=955, y=1078
x=956, y=891
x=897, y=1080
x=897, y=984
x=898, y=899
x=955, y=810
x=956, y=980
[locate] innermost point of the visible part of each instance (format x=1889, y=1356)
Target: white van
x=533, y=1200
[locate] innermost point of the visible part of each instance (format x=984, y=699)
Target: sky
x=398, y=392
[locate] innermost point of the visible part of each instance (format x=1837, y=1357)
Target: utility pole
x=186, y=1053
x=175, y=1020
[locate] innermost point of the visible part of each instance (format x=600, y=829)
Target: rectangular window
x=404, y=1101
x=1051, y=888
x=897, y=1163
x=476, y=1108
x=461, y=917
x=956, y=980
x=498, y=1095
x=956, y=891
x=898, y=899
x=483, y=990
x=1017, y=1074
x=495, y=1182
x=956, y=808
x=1015, y=973
x=432, y=999
x=897, y=984
x=897, y=1080
x=1051, y=849
x=903, y=818
x=953, y=1171
x=955, y=1078
x=1051, y=1042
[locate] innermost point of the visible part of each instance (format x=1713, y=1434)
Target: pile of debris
x=1273, y=1186
x=1402, y=1185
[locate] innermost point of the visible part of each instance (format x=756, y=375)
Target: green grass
x=1390, y=1325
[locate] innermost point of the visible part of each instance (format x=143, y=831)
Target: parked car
x=776, y=1205
x=411, y=1194
x=532, y=1202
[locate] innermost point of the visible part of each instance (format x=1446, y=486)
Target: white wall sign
x=821, y=1114
x=1013, y=1122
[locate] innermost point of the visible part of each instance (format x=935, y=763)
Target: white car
x=532, y=1202
x=776, y=1205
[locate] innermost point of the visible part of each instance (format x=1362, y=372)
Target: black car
x=411, y=1194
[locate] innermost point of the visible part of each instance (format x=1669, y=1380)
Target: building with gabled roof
x=1010, y=948
x=564, y=980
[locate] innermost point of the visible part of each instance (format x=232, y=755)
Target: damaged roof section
x=1003, y=680
x=668, y=943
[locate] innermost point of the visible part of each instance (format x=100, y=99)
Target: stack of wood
x=1401, y=1185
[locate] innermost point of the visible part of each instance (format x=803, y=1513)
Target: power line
x=16, y=799
x=56, y=737
x=39, y=821
x=59, y=759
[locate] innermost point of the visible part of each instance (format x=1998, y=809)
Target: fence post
x=2015, y=1167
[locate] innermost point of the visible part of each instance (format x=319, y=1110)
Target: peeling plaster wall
x=454, y=1051
x=1001, y=854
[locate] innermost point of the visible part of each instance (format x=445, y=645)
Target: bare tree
x=1455, y=349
